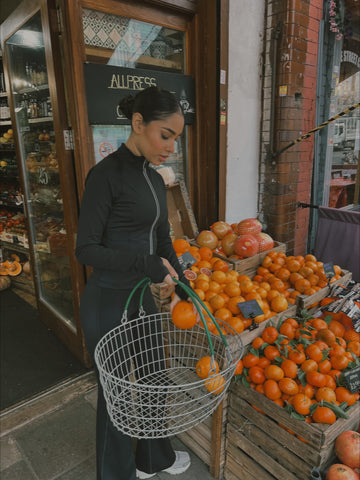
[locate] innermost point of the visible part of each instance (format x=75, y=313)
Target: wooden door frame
x=199, y=21
x=74, y=340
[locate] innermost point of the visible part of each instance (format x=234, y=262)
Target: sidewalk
x=53, y=437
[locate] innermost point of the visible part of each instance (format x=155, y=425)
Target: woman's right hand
x=168, y=279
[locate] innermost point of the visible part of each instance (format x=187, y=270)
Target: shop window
x=119, y=41
x=341, y=189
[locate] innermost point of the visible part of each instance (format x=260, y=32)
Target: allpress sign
x=106, y=85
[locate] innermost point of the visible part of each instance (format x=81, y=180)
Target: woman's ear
x=137, y=122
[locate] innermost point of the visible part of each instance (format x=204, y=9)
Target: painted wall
x=246, y=27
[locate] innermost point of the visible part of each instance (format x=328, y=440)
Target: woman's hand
x=176, y=299
x=168, y=279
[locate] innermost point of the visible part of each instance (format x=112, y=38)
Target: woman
x=124, y=235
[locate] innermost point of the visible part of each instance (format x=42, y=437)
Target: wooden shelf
x=106, y=53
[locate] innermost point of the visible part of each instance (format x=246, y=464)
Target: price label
x=329, y=269
x=352, y=379
x=186, y=260
x=250, y=309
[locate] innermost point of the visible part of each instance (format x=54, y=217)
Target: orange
x=256, y=374
x=293, y=266
x=220, y=265
x=203, y=264
x=218, y=277
x=279, y=304
x=184, y=315
x=232, y=289
x=269, y=334
x=215, y=384
x=257, y=342
x=287, y=330
x=232, y=304
x=314, y=352
x=271, y=389
x=324, y=415
x=344, y=395
x=181, y=246
x=239, y=368
x=271, y=352
x=246, y=285
x=290, y=368
x=339, y=362
x=223, y=314
x=301, y=404
x=214, y=286
x=202, y=285
x=302, y=284
x=325, y=393
x=288, y=386
x=309, y=365
x=316, y=379
x=237, y=324
x=274, y=372
x=205, y=253
x=250, y=360
x=297, y=356
x=205, y=366
x=216, y=302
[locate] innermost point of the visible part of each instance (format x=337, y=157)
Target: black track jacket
x=123, y=225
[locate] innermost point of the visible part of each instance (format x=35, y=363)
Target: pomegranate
x=347, y=448
x=265, y=241
x=227, y=244
x=246, y=246
x=207, y=238
x=338, y=471
x=249, y=225
x=221, y=229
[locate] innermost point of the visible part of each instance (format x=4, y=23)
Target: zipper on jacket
x=157, y=207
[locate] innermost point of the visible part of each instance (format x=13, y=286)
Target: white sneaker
x=181, y=464
x=143, y=475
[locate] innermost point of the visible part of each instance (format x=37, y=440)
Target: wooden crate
x=248, y=266
x=258, y=448
x=305, y=302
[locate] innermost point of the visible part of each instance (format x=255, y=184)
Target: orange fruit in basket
x=205, y=366
x=271, y=352
x=215, y=384
x=246, y=285
x=184, y=315
x=181, y=245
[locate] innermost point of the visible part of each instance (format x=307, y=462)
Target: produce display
x=275, y=286
x=301, y=363
x=236, y=241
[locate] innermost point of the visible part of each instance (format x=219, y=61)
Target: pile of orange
x=293, y=276
x=222, y=289
x=300, y=366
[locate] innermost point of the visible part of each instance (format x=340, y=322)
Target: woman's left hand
x=176, y=299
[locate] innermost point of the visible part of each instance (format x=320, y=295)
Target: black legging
x=100, y=311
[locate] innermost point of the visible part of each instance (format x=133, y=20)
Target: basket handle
x=145, y=282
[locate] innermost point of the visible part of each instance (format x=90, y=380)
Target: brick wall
x=285, y=180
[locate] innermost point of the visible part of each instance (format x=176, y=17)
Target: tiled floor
x=53, y=438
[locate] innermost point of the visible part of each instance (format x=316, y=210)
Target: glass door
x=39, y=116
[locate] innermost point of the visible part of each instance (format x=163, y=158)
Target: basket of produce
x=162, y=374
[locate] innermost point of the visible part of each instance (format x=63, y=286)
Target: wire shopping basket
x=147, y=369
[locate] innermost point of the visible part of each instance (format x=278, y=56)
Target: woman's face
x=156, y=140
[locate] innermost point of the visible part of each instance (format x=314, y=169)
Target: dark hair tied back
x=153, y=103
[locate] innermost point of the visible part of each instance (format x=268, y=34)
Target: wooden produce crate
x=248, y=266
x=258, y=448
x=305, y=302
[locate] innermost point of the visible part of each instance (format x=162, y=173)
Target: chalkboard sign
x=106, y=85
x=186, y=260
x=250, y=309
x=352, y=378
x=329, y=269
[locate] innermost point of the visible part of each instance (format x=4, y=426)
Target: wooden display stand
x=258, y=448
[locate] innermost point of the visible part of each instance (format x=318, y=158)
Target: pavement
x=52, y=437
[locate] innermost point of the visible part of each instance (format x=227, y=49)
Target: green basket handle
x=145, y=282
